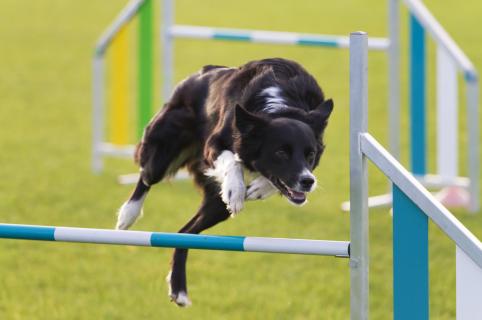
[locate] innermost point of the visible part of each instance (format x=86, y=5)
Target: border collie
x=266, y=117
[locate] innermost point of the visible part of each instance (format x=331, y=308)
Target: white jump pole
x=359, y=259
x=167, y=49
x=447, y=110
x=468, y=286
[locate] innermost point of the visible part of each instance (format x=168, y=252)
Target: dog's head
x=285, y=150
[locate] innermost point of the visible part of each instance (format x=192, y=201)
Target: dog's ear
x=247, y=121
x=318, y=117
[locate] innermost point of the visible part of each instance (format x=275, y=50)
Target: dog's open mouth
x=294, y=196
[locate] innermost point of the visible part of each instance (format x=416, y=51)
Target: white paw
x=181, y=299
x=228, y=171
x=128, y=214
x=233, y=192
x=260, y=188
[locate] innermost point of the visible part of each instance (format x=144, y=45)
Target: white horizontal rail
x=441, y=36
x=273, y=37
x=116, y=150
x=175, y=240
x=281, y=245
x=379, y=201
x=438, y=181
x=422, y=198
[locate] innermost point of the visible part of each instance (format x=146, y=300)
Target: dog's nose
x=307, y=182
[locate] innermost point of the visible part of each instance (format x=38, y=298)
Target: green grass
x=45, y=108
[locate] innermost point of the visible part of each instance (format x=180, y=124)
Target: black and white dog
x=266, y=117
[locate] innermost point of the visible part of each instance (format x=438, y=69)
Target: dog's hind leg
x=212, y=211
x=156, y=162
x=166, y=145
x=131, y=210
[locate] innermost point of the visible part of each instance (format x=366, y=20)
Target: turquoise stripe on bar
x=231, y=36
x=27, y=232
x=317, y=42
x=195, y=241
x=418, y=135
x=470, y=76
x=410, y=259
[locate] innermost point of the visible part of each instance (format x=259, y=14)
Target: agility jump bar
x=272, y=37
x=175, y=240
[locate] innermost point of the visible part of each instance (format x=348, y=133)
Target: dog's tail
x=131, y=210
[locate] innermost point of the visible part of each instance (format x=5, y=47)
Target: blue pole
x=410, y=259
x=418, y=135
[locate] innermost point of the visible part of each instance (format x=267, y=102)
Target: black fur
x=221, y=109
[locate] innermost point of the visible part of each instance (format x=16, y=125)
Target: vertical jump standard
x=115, y=39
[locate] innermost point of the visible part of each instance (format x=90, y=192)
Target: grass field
x=45, y=109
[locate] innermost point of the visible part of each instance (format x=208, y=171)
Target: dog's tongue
x=297, y=195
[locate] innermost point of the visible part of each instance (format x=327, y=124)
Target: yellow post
x=119, y=96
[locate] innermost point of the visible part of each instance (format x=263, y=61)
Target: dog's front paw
x=233, y=193
x=260, y=188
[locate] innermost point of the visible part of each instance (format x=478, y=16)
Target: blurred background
x=46, y=54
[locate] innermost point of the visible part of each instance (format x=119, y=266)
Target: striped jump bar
x=176, y=240
x=273, y=37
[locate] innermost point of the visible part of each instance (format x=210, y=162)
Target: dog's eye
x=310, y=157
x=282, y=154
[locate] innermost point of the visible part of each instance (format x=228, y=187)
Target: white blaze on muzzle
x=306, y=174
